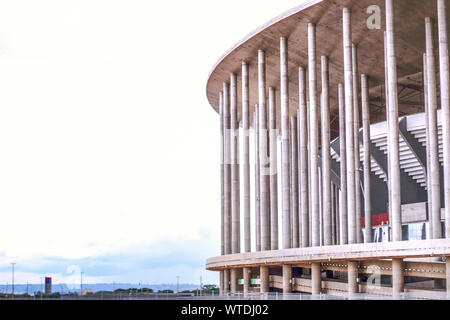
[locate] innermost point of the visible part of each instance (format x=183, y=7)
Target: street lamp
x=12, y=265
x=81, y=283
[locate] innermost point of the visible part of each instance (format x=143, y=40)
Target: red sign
x=377, y=220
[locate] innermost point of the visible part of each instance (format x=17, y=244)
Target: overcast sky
x=109, y=155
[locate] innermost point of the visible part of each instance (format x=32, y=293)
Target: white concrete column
x=386, y=87
x=222, y=170
x=367, y=158
x=353, y=286
x=314, y=136
x=233, y=280
x=333, y=216
x=397, y=277
x=427, y=132
x=226, y=281
x=343, y=163
x=285, y=144
x=316, y=278
x=350, y=141
x=246, y=161
x=304, y=179
x=273, y=137
x=257, y=181
x=247, y=273
x=434, y=171
x=264, y=163
x=287, y=279
x=294, y=184
x=326, y=156
x=356, y=126
x=235, y=177
x=445, y=105
x=264, y=275
x=227, y=168
x=394, y=170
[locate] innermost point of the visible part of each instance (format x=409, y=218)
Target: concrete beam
x=355, y=252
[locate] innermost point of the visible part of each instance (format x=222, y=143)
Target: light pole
x=12, y=265
x=42, y=288
x=81, y=283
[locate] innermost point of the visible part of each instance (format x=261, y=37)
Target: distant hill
x=67, y=288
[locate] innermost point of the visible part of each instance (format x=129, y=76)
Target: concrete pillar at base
x=397, y=277
x=316, y=277
x=233, y=281
x=287, y=279
x=221, y=284
x=264, y=275
x=447, y=276
x=247, y=275
x=226, y=282
x=353, y=286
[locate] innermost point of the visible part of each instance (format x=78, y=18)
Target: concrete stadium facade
x=353, y=98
